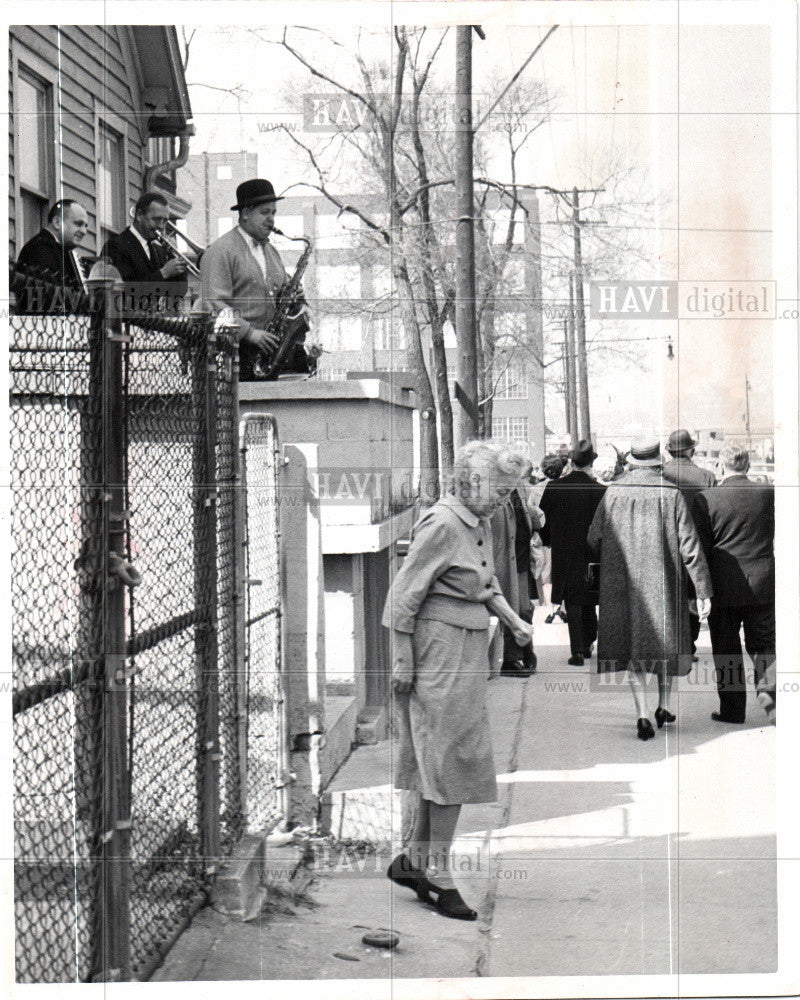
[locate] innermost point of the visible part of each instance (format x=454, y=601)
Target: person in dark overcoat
x=568, y=505
x=690, y=480
x=513, y=525
x=736, y=523
x=647, y=542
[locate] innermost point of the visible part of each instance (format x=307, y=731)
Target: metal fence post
x=205, y=577
x=116, y=817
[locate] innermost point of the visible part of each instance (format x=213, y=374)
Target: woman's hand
x=522, y=631
x=402, y=662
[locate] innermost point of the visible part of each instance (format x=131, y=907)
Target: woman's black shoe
x=644, y=729
x=404, y=873
x=449, y=903
x=662, y=716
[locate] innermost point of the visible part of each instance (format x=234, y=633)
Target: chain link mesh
x=184, y=702
x=263, y=608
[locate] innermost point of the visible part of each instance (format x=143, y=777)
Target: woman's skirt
x=445, y=750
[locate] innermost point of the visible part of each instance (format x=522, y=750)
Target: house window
x=34, y=151
x=224, y=224
x=510, y=429
x=224, y=172
x=110, y=182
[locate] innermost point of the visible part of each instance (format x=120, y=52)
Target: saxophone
x=289, y=323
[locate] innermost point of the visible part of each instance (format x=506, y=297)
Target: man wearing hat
x=690, y=480
x=648, y=547
x=242, y=271
x=569, y=504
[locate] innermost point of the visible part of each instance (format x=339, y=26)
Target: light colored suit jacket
x=231, y=278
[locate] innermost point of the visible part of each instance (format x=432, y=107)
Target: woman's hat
x=645, y=452
x=254, y=192
x=583, y=453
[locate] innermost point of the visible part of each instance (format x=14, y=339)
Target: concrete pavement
x=603, y=856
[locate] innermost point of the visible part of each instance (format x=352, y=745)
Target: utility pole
x=747, y=410
x=569, y=356
x=466, y=326
x=584, y=425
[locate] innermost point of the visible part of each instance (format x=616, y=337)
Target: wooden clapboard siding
x=96, y=72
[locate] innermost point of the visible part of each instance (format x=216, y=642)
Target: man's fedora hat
x=583, y=453
x=645, y=452
x=254, y=192
x=680, y=440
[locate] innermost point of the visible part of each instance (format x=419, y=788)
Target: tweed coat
x=647, y=542
x=569, y=504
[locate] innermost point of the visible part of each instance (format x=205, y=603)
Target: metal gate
x=128, y=710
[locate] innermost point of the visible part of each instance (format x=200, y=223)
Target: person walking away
x=690, y=480
x=438, y=611
x=647, y=543
x=736, y=523
x=568, y=505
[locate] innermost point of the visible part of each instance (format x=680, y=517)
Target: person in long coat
x=438, y=611
x=647, y=543
x=569, y=504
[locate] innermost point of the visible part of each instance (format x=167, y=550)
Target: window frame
x=28, y=64
x=105, y=117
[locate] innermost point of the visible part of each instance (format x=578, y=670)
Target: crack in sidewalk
x=487, y=919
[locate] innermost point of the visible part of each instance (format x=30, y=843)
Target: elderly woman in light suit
x=438, y=611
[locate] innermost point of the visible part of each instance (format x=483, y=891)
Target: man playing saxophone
x=243, y=272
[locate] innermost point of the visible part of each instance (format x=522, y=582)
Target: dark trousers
x=759, y=641
x=582, y=626
x=694, y=630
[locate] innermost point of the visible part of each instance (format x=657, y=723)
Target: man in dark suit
x=141, y=258
x=569, y=505
x=690, y=480
x=736, y=523
x=242, y=272
x=48, y=254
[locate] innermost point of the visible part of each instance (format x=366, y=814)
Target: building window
x=224, y=224
x=500, y=220
x=511, y=383
x=34, y=151
x=514, y=277
x=111, y=197
x=510, y=429
x=224, y=172
x=339, y=281
x=389, y=333
x=340, y=333
x=337, y=232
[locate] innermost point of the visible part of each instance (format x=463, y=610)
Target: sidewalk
x=604, y=855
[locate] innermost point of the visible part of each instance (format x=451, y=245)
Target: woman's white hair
x=479, y=454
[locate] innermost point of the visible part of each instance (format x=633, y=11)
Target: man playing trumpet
x=243, y=272
x=140, y=255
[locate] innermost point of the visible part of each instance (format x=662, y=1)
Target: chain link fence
x=129, y=698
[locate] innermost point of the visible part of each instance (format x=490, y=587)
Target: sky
x=695, y=131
